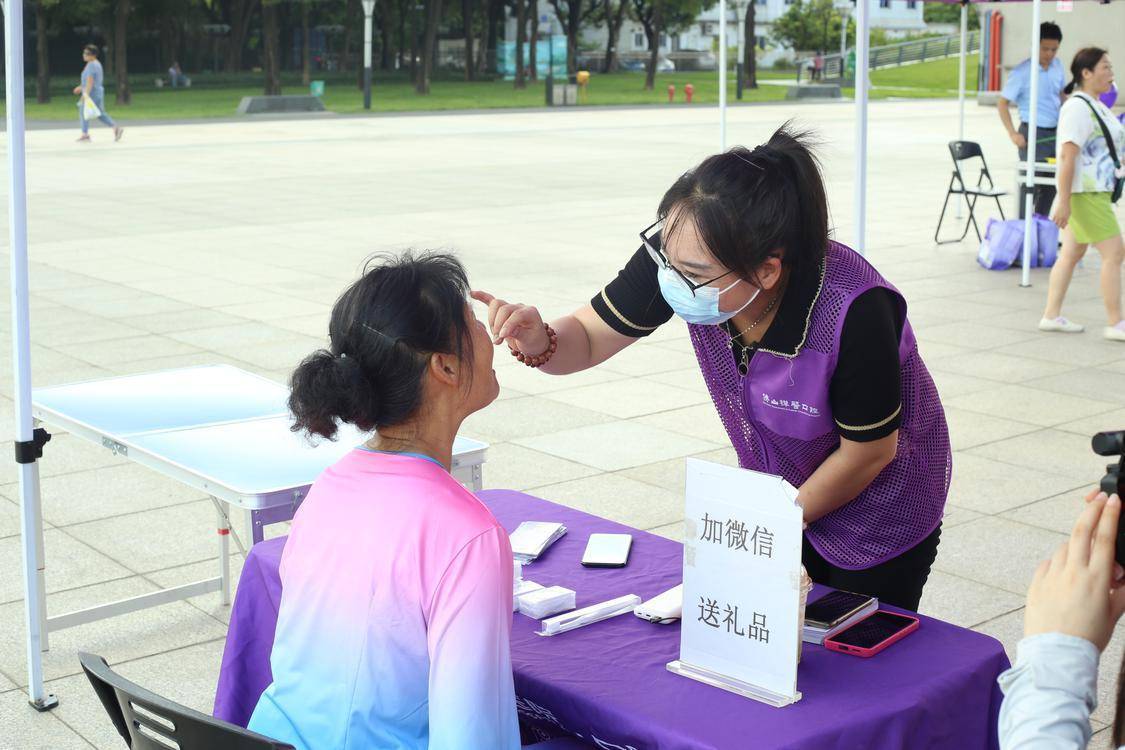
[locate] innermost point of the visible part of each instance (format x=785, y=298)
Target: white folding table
x=216, y=428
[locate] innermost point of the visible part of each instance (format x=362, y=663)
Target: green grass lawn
x=211, y=98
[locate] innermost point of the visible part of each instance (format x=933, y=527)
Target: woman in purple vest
x=806, y=351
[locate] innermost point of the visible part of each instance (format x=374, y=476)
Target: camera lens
x=1109, y=443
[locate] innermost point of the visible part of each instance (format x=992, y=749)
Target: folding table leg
x=224, y=554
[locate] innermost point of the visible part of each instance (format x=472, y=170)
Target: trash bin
x=316, y=88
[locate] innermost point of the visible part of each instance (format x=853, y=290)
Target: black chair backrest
x=962, y=150
x=148, y=722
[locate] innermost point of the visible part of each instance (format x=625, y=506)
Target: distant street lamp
x=368, y=10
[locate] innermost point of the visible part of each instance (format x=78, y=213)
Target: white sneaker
x=1062, y=325
x=1115, y=333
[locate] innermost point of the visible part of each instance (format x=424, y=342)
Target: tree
x=306, y=64
x=429, y=46
x=271, y=48
x=521, y=39
x=750, y=48
x=807, y=25
x=42, y=52
x=572, y=14
x=659, y=16
x=467, y=10
x=612, y=14
x=949, y=13
x=120, y=50
x=533, y=47
x=238, y=14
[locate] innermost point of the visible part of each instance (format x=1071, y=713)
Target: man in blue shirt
x=1017, y=89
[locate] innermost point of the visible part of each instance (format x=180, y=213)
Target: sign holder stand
x=730, y=684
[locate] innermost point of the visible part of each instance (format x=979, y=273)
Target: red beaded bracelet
x=539, y=359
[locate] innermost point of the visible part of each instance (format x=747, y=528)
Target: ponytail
x=1085, y=59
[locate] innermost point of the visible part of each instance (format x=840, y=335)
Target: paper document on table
x=532, y=538
x=742, y=575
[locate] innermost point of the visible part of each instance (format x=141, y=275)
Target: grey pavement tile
x=141, y=633
x=515, y=467
x=186, y=675
x=951, y=385
x=68, y=564
x=618, y=498
x=968, y=429
x=1003, y=368
x=690, y=378
x=9, y=517
x=188, y=319
x=110, y=353
x=1101, y=384
x=1008, y=629
x=933, y=351
x=647, y=360
x=701, y=421
x=955, y=516
x=672, y=474
x=110, y=491
x=1053, y=451
x=617, y=445
x=964, y=602
x=974, y=335
x=155, y=539
x=1089, y=349
x=996, y=552
x=1054, y=513
x=530, y=380
x=989, y=486
x=1030, y=405
x=528, y=416
x=27, y=729
x=628, y=398
x=1087, y=426
x=231, y=339
x=673, y=531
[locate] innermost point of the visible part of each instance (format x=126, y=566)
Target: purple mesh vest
x=780, y=422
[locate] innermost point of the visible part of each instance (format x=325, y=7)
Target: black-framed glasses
x=661, y=260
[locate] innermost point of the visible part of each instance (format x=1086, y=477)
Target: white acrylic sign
x=742, y=575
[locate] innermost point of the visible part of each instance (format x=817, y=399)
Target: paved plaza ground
x=196, y=244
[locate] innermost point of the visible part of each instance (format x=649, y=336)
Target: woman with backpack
x=1091, y=148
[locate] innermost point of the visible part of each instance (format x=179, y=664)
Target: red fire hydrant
x=688, y=91
x=671, y=93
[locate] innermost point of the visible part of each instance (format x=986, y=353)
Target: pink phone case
x=832, y=645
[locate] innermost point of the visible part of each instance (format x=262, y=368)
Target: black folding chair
x=148, y=722
x=962, y=151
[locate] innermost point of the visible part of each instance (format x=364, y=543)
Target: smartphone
x=833, y=608
x=872, y=634
x=607, y=550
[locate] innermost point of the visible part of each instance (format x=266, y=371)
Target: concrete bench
x=814, y=91
x=256, y=105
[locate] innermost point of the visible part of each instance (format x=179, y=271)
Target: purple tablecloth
x=935, y=689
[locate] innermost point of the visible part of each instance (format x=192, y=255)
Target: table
x=219, y=429
x=608, y=682
x=1045, y=173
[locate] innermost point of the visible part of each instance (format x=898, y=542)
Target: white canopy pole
x=723, y=75
x=1032, y=142
x=862, y=38
x=961, y=69
x=368, y=10
x=30, y=524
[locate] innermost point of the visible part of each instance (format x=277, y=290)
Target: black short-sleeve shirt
x=866, y=389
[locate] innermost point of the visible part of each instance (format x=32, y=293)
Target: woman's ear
x=769, y=273
x=445, y=368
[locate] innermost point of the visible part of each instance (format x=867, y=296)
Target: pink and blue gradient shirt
x=396, y=612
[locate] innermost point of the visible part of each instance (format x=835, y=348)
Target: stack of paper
x=813, y=634
x=532, y=538
x=544, y=602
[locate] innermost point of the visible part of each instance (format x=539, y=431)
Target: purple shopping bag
x=1002, y=244
x=1047, y=237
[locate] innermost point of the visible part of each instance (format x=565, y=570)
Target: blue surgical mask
x=701, y=308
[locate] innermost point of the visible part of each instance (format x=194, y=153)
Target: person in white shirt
x=1091, y=149
x=1075, y=600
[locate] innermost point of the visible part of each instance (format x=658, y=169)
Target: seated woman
x=397, y=582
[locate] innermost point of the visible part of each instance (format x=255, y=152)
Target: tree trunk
x=533, y=48
x=413, y=41
x=495, y=9
x=615, y=19
x=242, y=11
x=429, y=46
x=403, y=9
x=386, y=18
x=349, y=34
x=42, y=60
x=306, y=63
x=467, y=8
x=120, y=62
x=750, y=61
x=521, y=38
x=271, y=49
x=573, y=26
x=652, y=33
